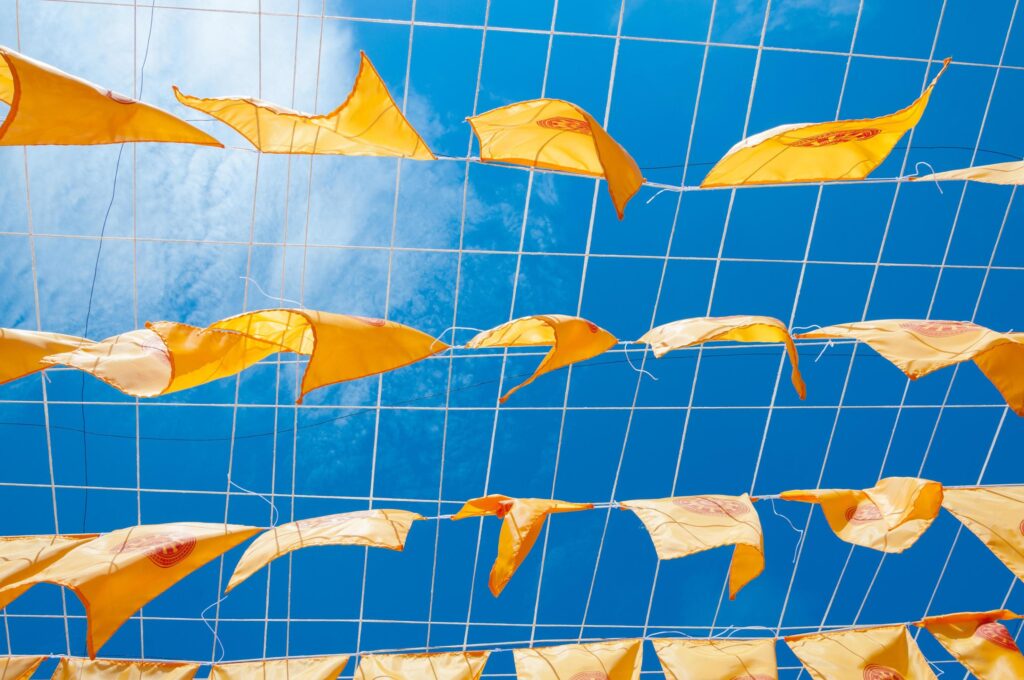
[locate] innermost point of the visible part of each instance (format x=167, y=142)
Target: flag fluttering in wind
x=23, y=351
x=72, y=668
x=24, y=556
x=979, y=642
x=881, y=653
x=609, y=660
x=19, y=667
x=995, y=514
x=445, y=666
x=1011, y=172
x=301, y=668
x=723, y=659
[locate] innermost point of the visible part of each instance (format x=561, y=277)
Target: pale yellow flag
x=996, y=173
x=21, y=352
x=522, y=521
x=304, y=668
x=49, y=106
x=570, y=338
x=609, y=660
x=881, y=653
x=117, y=573
x=557, y=135
x=817, y=152
x=115, y=669
x=889, y=516
x=21, y=557
x=686, y=525
x=995, y=514
x=19, y=667
x=689, y=332
x=371, y=528
x=980, y=642
x=726, y=659
x=367, y=123
x=918, y=347
x=448, y=666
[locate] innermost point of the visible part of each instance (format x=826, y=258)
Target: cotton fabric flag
x=447, y=666
x=304, y=668
x=22, y=351
x=367, y=123
x=996, y=173
x=19, y=667
x=689, y=332
x=49, y=106
x=918, y=347
x=979, y=642
x=557, y=135
x=570, y=338
x=609, y=660
x=522, y=521
x=889, y=516
x=111, y=669
x=117, y=573
x=726, y=659
x=686, y=525
x=370, y=528
x=995, y=514
x=817, y=152
x=881, y=653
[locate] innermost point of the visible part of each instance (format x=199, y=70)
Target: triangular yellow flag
x=116, y=669
x=21, y=352
x=304, y=668
x=609, y=660
x=995, y=514
x=19, y=667
x=978, y=641
x=717, y=659
x=996, y=173
x=447, y=666
x=881, y=653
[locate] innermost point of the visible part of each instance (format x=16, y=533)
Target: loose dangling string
x=917, y=171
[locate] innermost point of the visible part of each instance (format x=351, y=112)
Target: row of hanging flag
x=48, y=106
x=117, y=573
x=168, y=356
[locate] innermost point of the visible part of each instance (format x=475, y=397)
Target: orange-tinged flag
x=23, y=351
x=995, y=514
x=367, y=123
x=889, y=516
x=117, y=573
x=19, y=667
x=49, y=106
x=371, y=528
x=918, y=347
x=609, y=660
x=880, y=653
x=24, y=556
x=522, y=521
x=689, y=332
x=557, y=135
x=304, y=668
x=996, y=173
x=727, y=659
x=448, y=666
x=116, y=669
x=817, y=152
x=570, y=338
x=978, y=641
x=686, y=525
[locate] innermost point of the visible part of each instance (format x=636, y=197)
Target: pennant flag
x=449, y=666
x=111, y=669
x=689, y=332
x=116, y=574
x=609, y=660
x=367, y=123
x=994, y=514
x=23, y=351
x=371, y=528
x=22, y=557
x=522, y=521
x=19, y=667
x=919, y=347
x=49, y=106
x=889, y=516
x=570, y=338
x=996, y=173
x=979, y=642
x=691, y=524
x=717, y=659
x=881, y=653
x=305, y=668
x=556, y=135
x=817, y=152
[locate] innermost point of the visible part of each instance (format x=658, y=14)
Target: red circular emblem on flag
x=590, y=675
x=864, y=512
x=592, y=327
x=1021, y=527
x=878, y=672
x=711, y=506
x=939, y=329
x=833, y=138
x=564, y=124
x=165, y=550
x=996, y=633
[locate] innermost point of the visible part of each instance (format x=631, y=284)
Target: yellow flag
x=889, y=516
x=522, y=521
x=49, y=106
x=610, y=660
x=367, y=123
x=995, y=514
x=688, y=332
x=691, y=524
x=717, y=659
x=450, y=666
x=116, y=574
x=920, y=347
x=19, y=667
x=371, y=528
x=304, y=668
x=114, y=669
x=570, y=338
x=21, y=557
x=556, y=135
x=996, y=173
x=979, y=642
x=817, y=152
x=22, y=351
x=881, y=653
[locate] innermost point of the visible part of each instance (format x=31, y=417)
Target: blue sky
x=328, y=231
